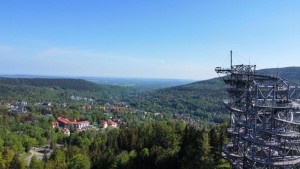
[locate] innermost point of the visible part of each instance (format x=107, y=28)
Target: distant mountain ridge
x=33, y=89
x=72, y=84
x=141, y=84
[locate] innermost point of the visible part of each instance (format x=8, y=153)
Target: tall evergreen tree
x=17, y=163
x=215, y=143
x=35, y=163
x=204, y=149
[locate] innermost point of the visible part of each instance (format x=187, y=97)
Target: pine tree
x=215, y=144
x=17, y=163
x=35, y=163
x=203, y=149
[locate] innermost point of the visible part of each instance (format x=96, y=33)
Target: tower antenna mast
x=231, y=59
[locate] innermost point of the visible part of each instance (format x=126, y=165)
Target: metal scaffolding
x=265, y=119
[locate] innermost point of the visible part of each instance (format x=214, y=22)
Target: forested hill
x=33, y=89
x=289, y=73
x=72, y=84
x=202, y=99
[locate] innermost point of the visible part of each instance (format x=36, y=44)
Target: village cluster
x=66, y=125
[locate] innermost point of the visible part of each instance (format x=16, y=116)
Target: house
x=18, y=107
x=21, y=103
x=112, y=124
x=104, y=124
x=64, y=122
x=10, y=106
x=86, y=107
x=81, y=124
x=109, y=123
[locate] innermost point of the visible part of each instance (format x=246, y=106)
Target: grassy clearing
x=224, y=165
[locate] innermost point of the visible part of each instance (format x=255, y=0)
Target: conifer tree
x=35, y=163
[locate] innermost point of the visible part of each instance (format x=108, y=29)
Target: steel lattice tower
x=265, y=119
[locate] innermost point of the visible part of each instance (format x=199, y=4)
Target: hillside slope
x=72, y=84
x=196, y=99
x=34, y=89
x=202, y=99
x=289, y=73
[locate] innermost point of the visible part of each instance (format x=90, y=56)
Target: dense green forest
x=201, y=99
x=169, y=144
x=141, y=142
x=59, y=90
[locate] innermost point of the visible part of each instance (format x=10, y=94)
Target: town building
x=64, y=122
x=55, y=124
x=109, y=123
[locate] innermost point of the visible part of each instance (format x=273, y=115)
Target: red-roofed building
x=64, y=122
x=54, y=124
x=109, y=123
x=112, y=124
x=86, y=107
x=104, y=124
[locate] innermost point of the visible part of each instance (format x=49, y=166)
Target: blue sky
x=150, y=39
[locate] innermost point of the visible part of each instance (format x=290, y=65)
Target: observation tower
x=265, y=119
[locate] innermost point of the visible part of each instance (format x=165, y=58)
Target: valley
x=76, y=114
